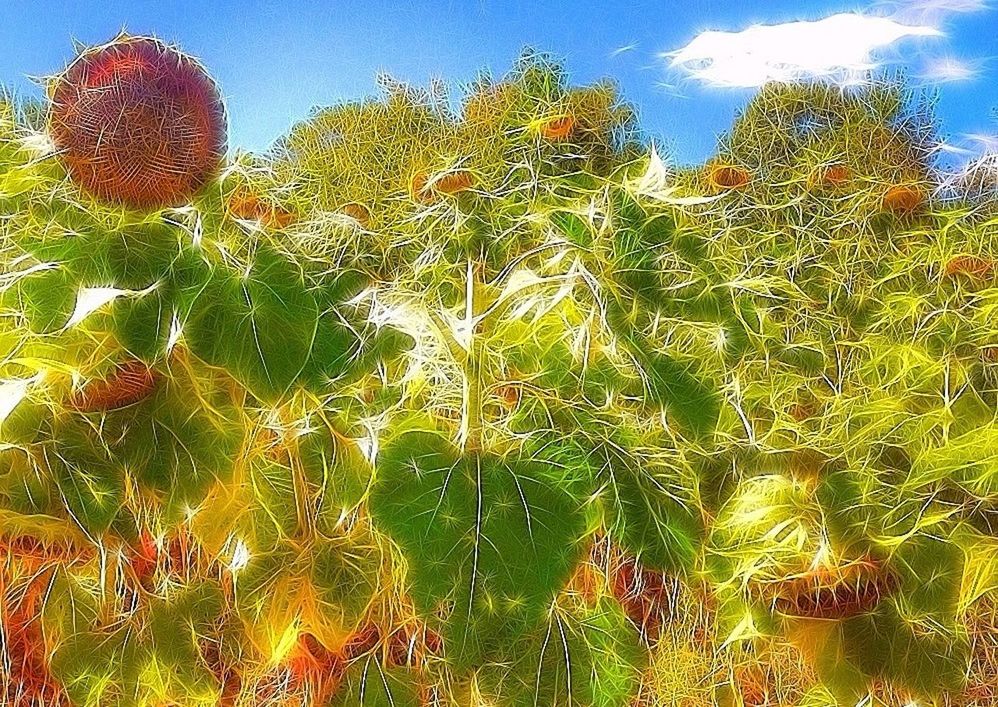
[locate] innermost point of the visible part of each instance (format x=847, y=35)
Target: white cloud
x=933, y=11
x=947, y=69
x=623, y=50
x=838, y=48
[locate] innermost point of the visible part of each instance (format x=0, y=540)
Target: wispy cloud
x=932, y=11
x=841, y=48
x=623, y=50
x=946, y=69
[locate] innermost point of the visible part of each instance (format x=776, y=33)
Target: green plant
x=495, y=408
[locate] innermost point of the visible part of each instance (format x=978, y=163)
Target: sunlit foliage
x=471, y=399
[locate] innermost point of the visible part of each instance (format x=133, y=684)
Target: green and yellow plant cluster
x=475, y=400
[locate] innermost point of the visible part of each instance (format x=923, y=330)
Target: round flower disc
x=138, y=123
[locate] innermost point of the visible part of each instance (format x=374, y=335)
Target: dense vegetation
x=490, y=406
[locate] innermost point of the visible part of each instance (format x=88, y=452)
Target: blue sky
x=276, y=60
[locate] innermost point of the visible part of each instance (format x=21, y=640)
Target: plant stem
x=473, y=400
x=472, y=374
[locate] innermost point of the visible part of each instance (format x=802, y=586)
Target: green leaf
x=46, y=297
x=327, y=585
x=274, y=497
x=264, y=589
x=931, y=570
x=335, y=350
x=647, y=509
x=152, y=658
x=345, y=574
x=913, y=637
x=341, y=351
x=489, y=539
x=335, y=469
x=573, y=227
x=845, y=682
x=637, y=244
x=345, y=344
x=25, y=423
x=260, y=326
x=637, y=269
x=87, y=479
x=71, y=607
x=625, y=210
x=853, y=505
x=170, y=442
x=131, y=258
x=368, y=684
x=142, y=324
x=89, y=669
x=695, y=404
x=24, y=488
x=928, y=662
x=668, y=383
x=338, y=467
x=970, y=460
x=593, y=658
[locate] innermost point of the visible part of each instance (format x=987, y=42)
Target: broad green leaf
x=25, y=488
x=132, y=257
x=346, y=575
x=334, y=468
x=369, y=684
x=858, y=506
x=647, y=509
x=142, y=324
x=931, y=572
x=912, y=637
x=337, y=466
x=970, y=460
x=343, y=350
x=489, y=539
x=89, y=482
x=845, y=682
x=25, y=423
x=170, y=442
x=325, y=586
x=153, y=657
x=637, y=243
x=345, y=344
x=980, y=572
x=273, y=492
x=47, y=298
x=591, y=658
x=667, y=382
x=260, y=325
x=89, y=668
x=73, y=605
x=928, y=661
x=572, y=227
x=671, y=384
